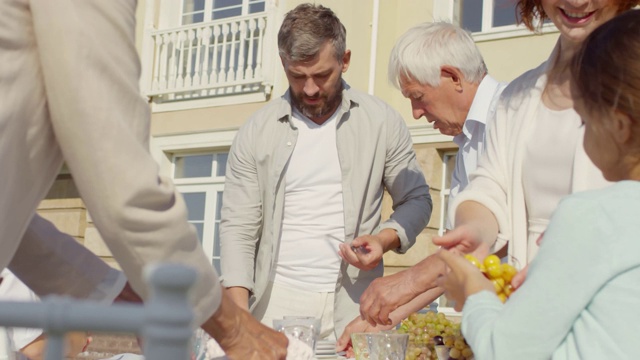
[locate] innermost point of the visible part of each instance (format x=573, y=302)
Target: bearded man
x=301, y=231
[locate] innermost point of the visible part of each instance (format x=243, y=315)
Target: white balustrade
x=207, y=59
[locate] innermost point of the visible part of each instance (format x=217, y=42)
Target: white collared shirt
x=471, y=140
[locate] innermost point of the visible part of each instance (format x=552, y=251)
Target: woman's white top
x=547, y=171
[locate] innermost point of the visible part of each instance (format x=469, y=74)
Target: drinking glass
x=385, y=346
x=379, y=346
x=301, y=329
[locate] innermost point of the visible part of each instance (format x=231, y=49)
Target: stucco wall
x=505, y=58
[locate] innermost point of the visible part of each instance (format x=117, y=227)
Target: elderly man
x=439, y=68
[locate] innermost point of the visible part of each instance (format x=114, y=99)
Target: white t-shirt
x=547, y=167
x=12, y=289
x=313, y=220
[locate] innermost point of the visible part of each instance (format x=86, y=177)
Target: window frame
x=444, y=193
x=444, y=190
x=209, y=9
x=447, y=10
x=211, y=186
x=164, y=149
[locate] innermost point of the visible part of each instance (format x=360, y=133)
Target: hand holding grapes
x=463, y=279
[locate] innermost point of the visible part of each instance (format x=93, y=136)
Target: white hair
x=423, y=50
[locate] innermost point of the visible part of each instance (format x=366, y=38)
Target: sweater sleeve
x=562, y=281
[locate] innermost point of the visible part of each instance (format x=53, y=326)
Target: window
x=197, y=11
x=485, y=19
x=486, y=15
x=200, y=179
x=448, y=165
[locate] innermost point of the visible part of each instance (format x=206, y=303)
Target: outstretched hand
x=463, y=280
x=355, y=326
x=241, y=336
x=387, y=293
x=464, y=239
x=364, y=252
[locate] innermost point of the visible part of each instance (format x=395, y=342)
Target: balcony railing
x=223, y=57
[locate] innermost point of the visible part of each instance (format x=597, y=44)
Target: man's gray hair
x=423, y=50
x=306, y=29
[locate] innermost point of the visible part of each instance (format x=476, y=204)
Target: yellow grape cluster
x=499, y=274
x=426, y=330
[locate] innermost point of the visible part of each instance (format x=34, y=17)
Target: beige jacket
x=375, y=152
x=69, y=88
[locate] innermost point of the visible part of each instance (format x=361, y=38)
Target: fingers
x=376, y=314
x=519, y=278
x=383, y=316
x=343, y=342
x=369, y=312
x=482, y=251
x=348, y=255
x=369, y=319
x=450, y=239
x=364, y=260
x=345, y=252
x=458, y=306
x=359, y=241
x=464, y=238
x=455, y=261
x=447, y=257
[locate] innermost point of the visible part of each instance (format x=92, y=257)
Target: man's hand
x=355, y=326
x=365, y=252
x=240, y=296
x=463, y=280
x=386, y=294
x=241, y=336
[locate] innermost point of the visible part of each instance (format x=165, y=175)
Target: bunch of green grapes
x=426, y=330
x=499, y=274
x=450, y=347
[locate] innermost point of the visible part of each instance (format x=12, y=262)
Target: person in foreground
x=304, y=185
x=69, y=90
x=581, y=299
x=533, y=157
x=439, y=68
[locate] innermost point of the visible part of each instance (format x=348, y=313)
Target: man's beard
x=328, y=103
